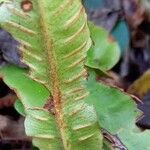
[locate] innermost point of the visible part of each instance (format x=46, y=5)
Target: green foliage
x=30, y=92
x=120, y=26
x=55, y=96
x=117, y=113
x=19, y=107
x=105, y=52
x=38, y=121
x=53, y=43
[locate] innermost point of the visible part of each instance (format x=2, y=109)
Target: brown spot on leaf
x=50, y=106
x=26, y=5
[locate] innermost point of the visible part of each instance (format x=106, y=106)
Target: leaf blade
x=119, y=114
x=53, y=42
x=105, y=52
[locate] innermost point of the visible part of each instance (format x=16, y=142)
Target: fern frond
x=54, y=38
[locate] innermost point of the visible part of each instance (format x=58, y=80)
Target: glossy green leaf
x=54, y=38
x=117, y=113
x=105, y=52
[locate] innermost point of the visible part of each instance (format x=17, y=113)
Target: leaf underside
x=54, y=39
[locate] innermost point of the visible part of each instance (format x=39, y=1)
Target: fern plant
x=55, y=95
x=53, y=43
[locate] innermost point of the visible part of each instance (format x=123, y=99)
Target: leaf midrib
x=52, y=73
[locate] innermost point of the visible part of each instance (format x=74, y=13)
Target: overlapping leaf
x=105, y=52
x=117, y=113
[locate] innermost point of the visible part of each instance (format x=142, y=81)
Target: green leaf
x=54, y=38
x=31, y=93
x=104, y=53
x=19, y=107
x=38, y=120
x=47, y=131
x=117, y=113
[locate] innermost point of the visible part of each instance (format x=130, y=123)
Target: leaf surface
x=30, y=92
x=19, y=107
x=105, y=52
x=117, y=113
x=53, y=43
